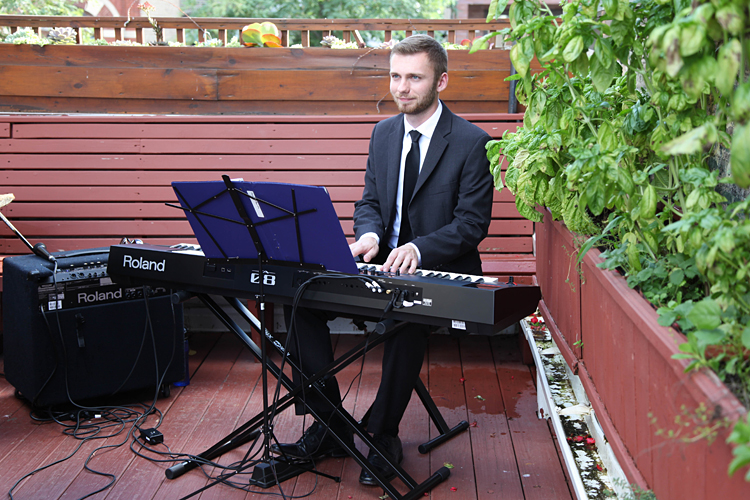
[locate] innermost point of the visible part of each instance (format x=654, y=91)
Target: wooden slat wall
x=87, y=181
x=241, y=81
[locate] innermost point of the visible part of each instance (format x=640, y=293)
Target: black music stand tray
x=272, y=471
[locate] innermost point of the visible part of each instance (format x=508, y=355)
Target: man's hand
x=367, y=247
x=403, y=259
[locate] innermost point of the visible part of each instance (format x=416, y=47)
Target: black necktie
x=411, y=173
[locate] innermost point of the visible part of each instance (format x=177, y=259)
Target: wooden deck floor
x=507, y=453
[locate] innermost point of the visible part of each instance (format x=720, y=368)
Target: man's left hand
x=403, y=259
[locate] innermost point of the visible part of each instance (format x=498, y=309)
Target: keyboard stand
x=251, y=429
x=446, y=432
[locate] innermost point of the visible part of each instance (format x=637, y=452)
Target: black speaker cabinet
x=77, y=335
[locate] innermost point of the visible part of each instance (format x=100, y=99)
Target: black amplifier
x=74, y=335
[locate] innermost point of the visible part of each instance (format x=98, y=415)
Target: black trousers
x=310, y=346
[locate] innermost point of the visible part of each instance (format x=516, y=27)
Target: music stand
x=285, y=223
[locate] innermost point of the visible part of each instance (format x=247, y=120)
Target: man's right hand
x=367, y=247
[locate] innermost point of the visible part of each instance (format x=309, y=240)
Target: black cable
x=52, y=342
x=295, y=304
x=245, y=463
x=10, y=492
x=234, y=468
x=138, y=446
x=159, y=381
x=90, y=432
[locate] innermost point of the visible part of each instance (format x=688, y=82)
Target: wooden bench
x=87, y=181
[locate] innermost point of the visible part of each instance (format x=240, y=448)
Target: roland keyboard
x=472, y=304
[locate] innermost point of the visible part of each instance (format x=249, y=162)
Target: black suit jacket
x=451, y=207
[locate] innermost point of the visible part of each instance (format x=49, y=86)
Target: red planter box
x=635, y=386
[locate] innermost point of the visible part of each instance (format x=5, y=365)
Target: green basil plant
x=628, y=103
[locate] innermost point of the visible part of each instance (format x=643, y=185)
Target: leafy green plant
x=95, y=41
x=741, y=436
x=26, y=36
x=626, y=101
x=40, y=8
x=691, y=425
x=633, y=492
x=337, y=43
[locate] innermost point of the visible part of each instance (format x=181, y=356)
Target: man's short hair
x=416, y=44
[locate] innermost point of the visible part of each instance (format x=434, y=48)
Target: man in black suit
x=439, y=160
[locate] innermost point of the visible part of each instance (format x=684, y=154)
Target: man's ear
x=442, y=82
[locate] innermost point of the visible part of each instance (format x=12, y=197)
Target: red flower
x=462, y=380
x=473, y=424
x=590, y=440
x=578, y=439
x=598, y=467
x=453, y=488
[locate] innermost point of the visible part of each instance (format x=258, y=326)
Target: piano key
x=469, y=278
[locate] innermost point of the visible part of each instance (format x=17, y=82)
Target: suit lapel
x=438, y=143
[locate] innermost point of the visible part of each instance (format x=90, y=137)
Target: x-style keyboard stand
x=250, y=430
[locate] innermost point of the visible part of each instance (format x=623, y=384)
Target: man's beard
x=421, y=104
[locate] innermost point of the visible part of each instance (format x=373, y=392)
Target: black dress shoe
x=316, y=442
x=392, y=446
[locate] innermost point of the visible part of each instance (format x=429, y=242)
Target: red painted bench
x=87, y=181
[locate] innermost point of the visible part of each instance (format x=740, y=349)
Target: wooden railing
x=348, y=29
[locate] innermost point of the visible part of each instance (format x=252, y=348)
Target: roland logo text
x=143, y=264
x=89, y=298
